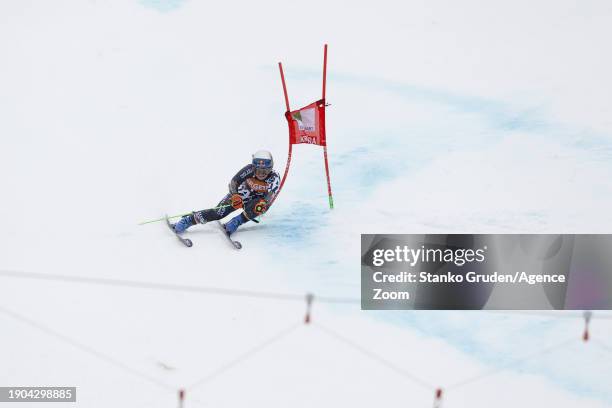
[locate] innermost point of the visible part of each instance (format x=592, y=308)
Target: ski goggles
x=262, y=163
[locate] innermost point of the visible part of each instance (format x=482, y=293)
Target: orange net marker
x=181, y=396
x=587, y=319
x=309, y=299
x=438, y=398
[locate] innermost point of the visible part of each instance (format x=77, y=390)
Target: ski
x=236, y=244
x=185, y=241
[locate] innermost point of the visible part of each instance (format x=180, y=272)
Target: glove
x=260, y=207
x=236, y=201
x=257, y=186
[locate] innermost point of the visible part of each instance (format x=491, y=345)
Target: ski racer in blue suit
x=252, y=189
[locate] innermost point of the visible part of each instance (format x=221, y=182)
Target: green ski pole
x=179, y=215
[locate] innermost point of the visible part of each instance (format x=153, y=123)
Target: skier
x=251, y=189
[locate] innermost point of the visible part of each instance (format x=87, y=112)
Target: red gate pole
x=324, y=69
x=329, y=190
x=280, y=67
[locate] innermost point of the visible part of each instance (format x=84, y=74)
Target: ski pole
x=179, y=215
x=162, y=219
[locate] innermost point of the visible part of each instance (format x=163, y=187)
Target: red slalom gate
x=307, y=126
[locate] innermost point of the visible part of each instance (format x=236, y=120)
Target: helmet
x=262, y=159
x=263, y=162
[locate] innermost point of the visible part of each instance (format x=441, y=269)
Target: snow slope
x=475, y=117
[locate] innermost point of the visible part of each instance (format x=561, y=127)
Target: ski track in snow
x=358, y=174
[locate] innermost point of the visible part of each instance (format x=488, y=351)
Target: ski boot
x=234, y=223
x=196, y=217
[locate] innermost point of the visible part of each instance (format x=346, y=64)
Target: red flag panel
x=307, y=124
